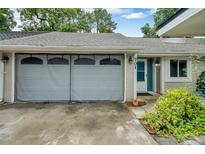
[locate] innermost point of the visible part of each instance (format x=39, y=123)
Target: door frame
x=145, y=76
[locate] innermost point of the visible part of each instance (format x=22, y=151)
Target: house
x=62, y=66
x=184, y=23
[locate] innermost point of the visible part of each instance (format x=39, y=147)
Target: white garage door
x=47, y=77
x=43, y=77
x=97, y=77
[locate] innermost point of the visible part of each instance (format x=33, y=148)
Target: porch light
x=130, y=59
x=5, y=59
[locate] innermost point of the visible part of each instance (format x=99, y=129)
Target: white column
x=1, y=78
x=130, y=79
x=162, y=73
x=9, y=79
x=13, y=77
x=125, y=77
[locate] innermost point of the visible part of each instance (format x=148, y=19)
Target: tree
x=103, y=21
x=68, y=20
x=6, y=20
x=148, y=31
x=160, y=16
x=50, y=19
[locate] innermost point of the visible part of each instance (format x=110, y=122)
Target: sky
x=129, y=21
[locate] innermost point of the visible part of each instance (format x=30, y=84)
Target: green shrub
x=200, y=83
x=179, y=113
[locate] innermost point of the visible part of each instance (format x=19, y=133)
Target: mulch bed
x=148, y=128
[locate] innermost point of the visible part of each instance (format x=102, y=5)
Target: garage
x=48, y=77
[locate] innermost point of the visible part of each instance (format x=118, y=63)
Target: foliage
x=200, y=83
x=148, y=31
x=66, y=19
x=179, y=113
x=103, y=20
x=160, y=16
x=6, y=19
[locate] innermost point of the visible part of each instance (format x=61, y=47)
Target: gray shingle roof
x=106, y=41
x=72, y=40
x=160, y=45
x=12, y=35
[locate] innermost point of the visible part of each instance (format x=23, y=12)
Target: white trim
x=135, y=76
x=70, y=49
x=13, y=77
x=178, y=20
x=154, y=77
x=178, y=79
x=171, y=53
x=125, y=78
x=162, y=74
x=2, y=81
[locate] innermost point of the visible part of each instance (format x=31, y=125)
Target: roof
x=15, y=34
x=66, y=41
x=169, y=46
x=71, y=40
x=172, y=17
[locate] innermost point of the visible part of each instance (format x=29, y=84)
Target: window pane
x=31, y=60
x=58, y=61
x=140, y=71
x=109, y=61
x=173, y=68
x=182, y=68
x=84, y=61
x=140, y=66
x=140, y=76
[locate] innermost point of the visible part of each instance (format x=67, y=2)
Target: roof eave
x=71, y=49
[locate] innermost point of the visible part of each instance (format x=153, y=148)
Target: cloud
x=135, y=15
x=112, y=10
x=152, y=11
x=119, y=11
x=88, y=9
x=17, y=19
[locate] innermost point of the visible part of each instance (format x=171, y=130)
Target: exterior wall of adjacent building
x=190, y=83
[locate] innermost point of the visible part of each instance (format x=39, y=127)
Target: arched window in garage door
x=84, y=61
x=58, y=61
x=31, y=60
x=110, y=61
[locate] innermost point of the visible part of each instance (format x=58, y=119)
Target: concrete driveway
x=79, y=123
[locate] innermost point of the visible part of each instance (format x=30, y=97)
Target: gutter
x=179, y=12
x=10, y=48
x=170, y=54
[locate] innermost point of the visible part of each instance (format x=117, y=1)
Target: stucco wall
x=197, y=68
x=130, y=79
x=1, y=77
x=8, y=79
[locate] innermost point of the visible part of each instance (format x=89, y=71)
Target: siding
x=197, y=68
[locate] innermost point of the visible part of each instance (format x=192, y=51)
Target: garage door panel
x=42, y=82
x=93, y=77
x=97, y=82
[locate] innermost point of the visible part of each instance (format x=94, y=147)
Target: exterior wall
x=9, y=79
x=130, y=79
x=196, y=69
x=1, y=78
